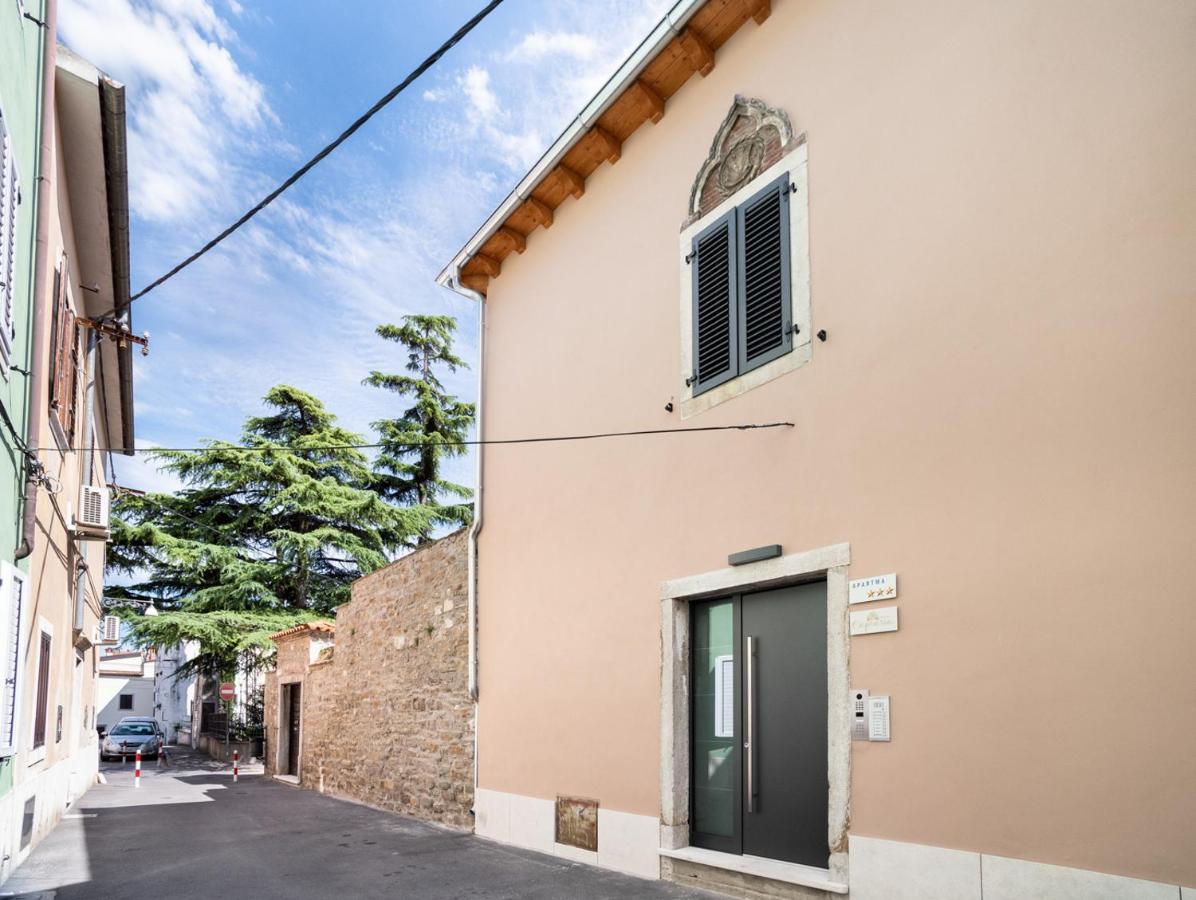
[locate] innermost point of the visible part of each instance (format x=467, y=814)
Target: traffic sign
x=228, y=690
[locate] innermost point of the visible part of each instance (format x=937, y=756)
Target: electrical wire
x=340, y=139
x=274, y=448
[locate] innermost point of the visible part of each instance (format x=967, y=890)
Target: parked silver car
x=130, y=735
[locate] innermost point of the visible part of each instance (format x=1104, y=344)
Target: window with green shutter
x=742, y=303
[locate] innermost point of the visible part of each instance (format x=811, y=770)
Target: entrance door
x=759, y=725
x=294, y=711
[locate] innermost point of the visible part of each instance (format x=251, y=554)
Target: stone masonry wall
x=387, y=717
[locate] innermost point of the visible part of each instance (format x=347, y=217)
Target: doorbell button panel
x=858, y=699
x=878, y=718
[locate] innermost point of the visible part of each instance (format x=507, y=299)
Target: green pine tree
x=408, y=467
x=258, y=539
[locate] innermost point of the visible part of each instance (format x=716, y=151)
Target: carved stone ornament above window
x=752, y=137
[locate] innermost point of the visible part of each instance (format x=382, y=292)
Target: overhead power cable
x=340, y=139
x=273, y=448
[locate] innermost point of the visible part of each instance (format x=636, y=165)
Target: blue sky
x=225, y=98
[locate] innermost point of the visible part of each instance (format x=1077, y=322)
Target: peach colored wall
x=51, y=584
x=1003, y=245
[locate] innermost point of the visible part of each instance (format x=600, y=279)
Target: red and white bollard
x=236, y=763
x=137, y=770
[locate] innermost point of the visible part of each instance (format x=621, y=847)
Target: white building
x=125, y=687
x=174, y=697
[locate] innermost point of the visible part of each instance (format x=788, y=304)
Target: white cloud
x=476, y=85
x=192, y=107
x=141, y=472
x=539, y=44
x=294, y=296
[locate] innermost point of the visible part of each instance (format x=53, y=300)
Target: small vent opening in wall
x=577, y=822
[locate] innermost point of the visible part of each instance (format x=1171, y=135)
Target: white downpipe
x=475, y=527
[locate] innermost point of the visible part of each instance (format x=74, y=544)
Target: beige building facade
x=82, y=406
x=953, y=251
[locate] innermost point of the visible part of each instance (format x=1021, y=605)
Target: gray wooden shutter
x=714, y=317
x=765, y=303
x=9, y=198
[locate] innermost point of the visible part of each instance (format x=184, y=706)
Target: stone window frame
x=795, y=164
x=830, y=563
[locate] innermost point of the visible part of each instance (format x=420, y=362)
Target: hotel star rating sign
x=878, y=587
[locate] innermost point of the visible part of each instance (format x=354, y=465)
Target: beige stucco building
x=953, y=249
x=80, y=385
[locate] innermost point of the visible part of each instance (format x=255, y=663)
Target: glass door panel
x=715, y=726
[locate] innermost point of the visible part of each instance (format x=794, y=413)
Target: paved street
x=189, y=832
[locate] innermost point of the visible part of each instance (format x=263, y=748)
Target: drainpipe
x=475, y=527
x=41, y=278
x=91, y=357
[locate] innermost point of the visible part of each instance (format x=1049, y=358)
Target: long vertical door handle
x=750, y=726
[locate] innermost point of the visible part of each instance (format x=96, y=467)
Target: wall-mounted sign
x=878, y=587
x=873, y=621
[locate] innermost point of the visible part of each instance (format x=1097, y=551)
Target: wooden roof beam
x=488, y=264
x=612, y=148
x=541, y=212
x=517, y=241
x=652, y=100
x=759, y=10
x=700, y=54
x=573, y=181
x=479, y=283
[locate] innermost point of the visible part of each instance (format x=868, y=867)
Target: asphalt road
x=189, y=832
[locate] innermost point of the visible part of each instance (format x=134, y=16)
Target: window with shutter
x=714, y=317
x=745, y=286
x=41, y=711
x=10, y=196
x=741, y=289
x=12, y=593
x=64, y=355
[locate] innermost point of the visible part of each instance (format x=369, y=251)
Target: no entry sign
x=228, y=690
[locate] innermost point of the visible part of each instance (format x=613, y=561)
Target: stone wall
x=387, y=717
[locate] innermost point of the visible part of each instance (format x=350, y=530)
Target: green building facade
x=22, y=47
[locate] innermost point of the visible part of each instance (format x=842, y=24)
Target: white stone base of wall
x=879, y=869
x=626, y=842
x=893, y=870
x=57, y=789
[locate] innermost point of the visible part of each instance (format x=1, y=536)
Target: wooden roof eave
x=683, y=43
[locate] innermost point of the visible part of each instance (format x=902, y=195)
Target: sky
x=225, y=98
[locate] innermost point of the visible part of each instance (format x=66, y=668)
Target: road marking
x=80, y=816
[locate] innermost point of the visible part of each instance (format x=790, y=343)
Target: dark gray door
x=758, y=726
x=784, y=699
x=295, y=709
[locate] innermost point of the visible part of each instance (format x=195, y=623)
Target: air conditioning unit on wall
x=92, y=521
